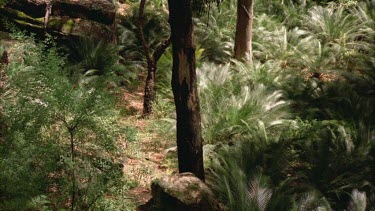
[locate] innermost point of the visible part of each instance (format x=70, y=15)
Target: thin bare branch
x=161, y=48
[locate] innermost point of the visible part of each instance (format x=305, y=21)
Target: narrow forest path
x=149, y=154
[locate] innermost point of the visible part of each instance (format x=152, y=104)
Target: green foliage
x=93, y=62
x=117, y=197
x=320, y=155
x=236, y=101
x=204, y=6
x=332, y=25
x=92, y=55
x=292, y=131
x=46, y=115
x=312, y=157
x=215, y=34
x=164, y=75
x=155, y=26
x=3, y=2
x=2, y=49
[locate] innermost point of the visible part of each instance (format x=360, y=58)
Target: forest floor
x=149, y=154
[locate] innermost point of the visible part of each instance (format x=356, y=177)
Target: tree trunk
x=3, y=64
x=184, y=86
x=149, y=95
x=244, y=28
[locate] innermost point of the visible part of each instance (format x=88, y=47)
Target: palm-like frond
x=312, y=201
x=366, y=15
x=215, y=34
x=328, y=150
x=233, y=105
x=292, y=48
x=258, y=193
x=333, y=25
x=238, y=181
x=359, y=201
x=92, y=55
x=341, y=31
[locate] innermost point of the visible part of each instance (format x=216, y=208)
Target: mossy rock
x=183, y=192
x=58, y=25
x=102, y=11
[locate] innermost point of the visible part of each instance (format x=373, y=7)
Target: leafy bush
x=60, y=139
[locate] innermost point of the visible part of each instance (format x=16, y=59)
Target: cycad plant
x=93, y=55
x=333, y=25
x=241, y=182
x=319, y=81
x=300, y=49
x=214, y=33
x=309, y=167
x=290, y=48
x=366, y=15
x=342, y=31
x=235, y=100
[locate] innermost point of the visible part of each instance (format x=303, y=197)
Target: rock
x=181, y=192
x=68, y=18
x=102, y=11
x=171, y=152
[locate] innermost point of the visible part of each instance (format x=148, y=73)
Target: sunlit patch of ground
x=146, y=152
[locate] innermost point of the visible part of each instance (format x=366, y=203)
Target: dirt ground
x=146, y=157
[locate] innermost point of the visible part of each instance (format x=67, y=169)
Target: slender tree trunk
x=244, y=28
x=150, y=90
x=184, y=86
x=71, y=131
x=48, y=12
x=149, y=93
x=3, y=64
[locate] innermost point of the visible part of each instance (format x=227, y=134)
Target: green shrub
x=60, y=138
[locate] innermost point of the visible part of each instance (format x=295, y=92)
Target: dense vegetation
x=293, y=130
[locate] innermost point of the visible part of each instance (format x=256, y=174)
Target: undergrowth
x=60, y=145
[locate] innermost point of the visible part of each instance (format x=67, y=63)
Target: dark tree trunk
x=150, y=91
x=3, y=64
x=244, y=28
x=149, y=95
x=184, y=85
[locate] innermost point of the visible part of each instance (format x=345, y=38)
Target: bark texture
x=150, y=91
x=244, y=28
x=184, y=86
x=152, y=60
x=3, y=64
